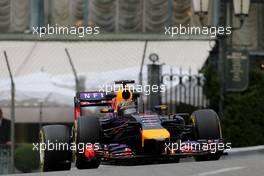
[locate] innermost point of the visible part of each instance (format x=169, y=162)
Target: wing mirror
x=106, y=110
x=161, y=107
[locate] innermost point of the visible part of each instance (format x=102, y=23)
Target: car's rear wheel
x=56, y=155
x=206, y=126
x=87, y=132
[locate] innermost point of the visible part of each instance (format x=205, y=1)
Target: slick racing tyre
x=87, y=132
x=56, y=155
x=206, y=126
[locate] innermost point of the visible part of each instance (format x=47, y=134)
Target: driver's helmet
x=127, y=107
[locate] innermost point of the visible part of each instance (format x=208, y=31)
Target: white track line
x=219, y=171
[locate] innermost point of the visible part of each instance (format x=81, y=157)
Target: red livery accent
x=89, y=153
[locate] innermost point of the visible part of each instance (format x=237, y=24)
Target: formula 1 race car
x=122, y=132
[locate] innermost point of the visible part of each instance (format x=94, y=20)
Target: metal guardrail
x=5, y=159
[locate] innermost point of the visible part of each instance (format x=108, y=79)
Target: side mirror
x=161, y=107
x=106, y=110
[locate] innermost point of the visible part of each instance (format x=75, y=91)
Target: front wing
x=188, y=148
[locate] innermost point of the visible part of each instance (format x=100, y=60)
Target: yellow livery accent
x=119, y=95
x=154, y=134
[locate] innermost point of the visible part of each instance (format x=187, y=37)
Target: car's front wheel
x=55, y=153
x=87, y=133
x=206, y=126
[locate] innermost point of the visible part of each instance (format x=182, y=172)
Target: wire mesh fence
x=43, y=75
x=5, y=158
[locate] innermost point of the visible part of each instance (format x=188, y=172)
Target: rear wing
x=86, y=99
x=93, y=98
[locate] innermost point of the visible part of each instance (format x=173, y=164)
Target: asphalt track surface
x=231, y=165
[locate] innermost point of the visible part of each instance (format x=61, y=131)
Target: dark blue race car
x=120, y=132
